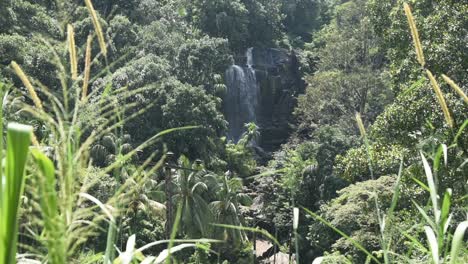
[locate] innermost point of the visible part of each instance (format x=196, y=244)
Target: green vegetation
x=123, y=154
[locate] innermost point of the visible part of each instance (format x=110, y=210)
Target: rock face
x=262, y=88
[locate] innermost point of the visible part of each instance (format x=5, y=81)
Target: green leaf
x=166, y=254
x=432, y=188
x=11, y=188
x=460, y=131
x=445, y=210
x=341, y=233
x=425, y=215
x=457, y=241
x=433, y=245
x=53, y=227
x=182, y=11
x=441, y=151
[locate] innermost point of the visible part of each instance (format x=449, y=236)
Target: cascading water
x=241, y=99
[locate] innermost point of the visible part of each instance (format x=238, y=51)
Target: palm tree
x=250, y=136
x=226, y=208
x=189, y=184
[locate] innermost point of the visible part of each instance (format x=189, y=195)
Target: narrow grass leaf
x=396, y=191
x=175, y=229
x=425, y=215
x=111, y=237
x=100, y=204
x=421, y=184
x=460, y=131
x=415, y=242
x=441, y=151
x=457, y=241
x=165, y=254
x=433, y=245
x=432, y=187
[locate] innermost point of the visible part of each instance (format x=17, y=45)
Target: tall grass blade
x=457, y=241
x=103, y=207
x=432, y=188
x=175, y=229
x=425, y=215
x=433, y=245
x=11, y=188
x=111, y=237
x=441, y=151
x=460, y=131
x=396, y=192
x=415, y=242
x=415, y=35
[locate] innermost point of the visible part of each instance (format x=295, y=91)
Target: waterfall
x=241, y=100
x=249, y=55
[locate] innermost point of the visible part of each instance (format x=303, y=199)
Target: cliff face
x=270, y=94
x=280, y=82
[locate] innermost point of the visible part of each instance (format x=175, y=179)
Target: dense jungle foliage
x=122, y=153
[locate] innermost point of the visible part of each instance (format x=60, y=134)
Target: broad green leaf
x=11, y=188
